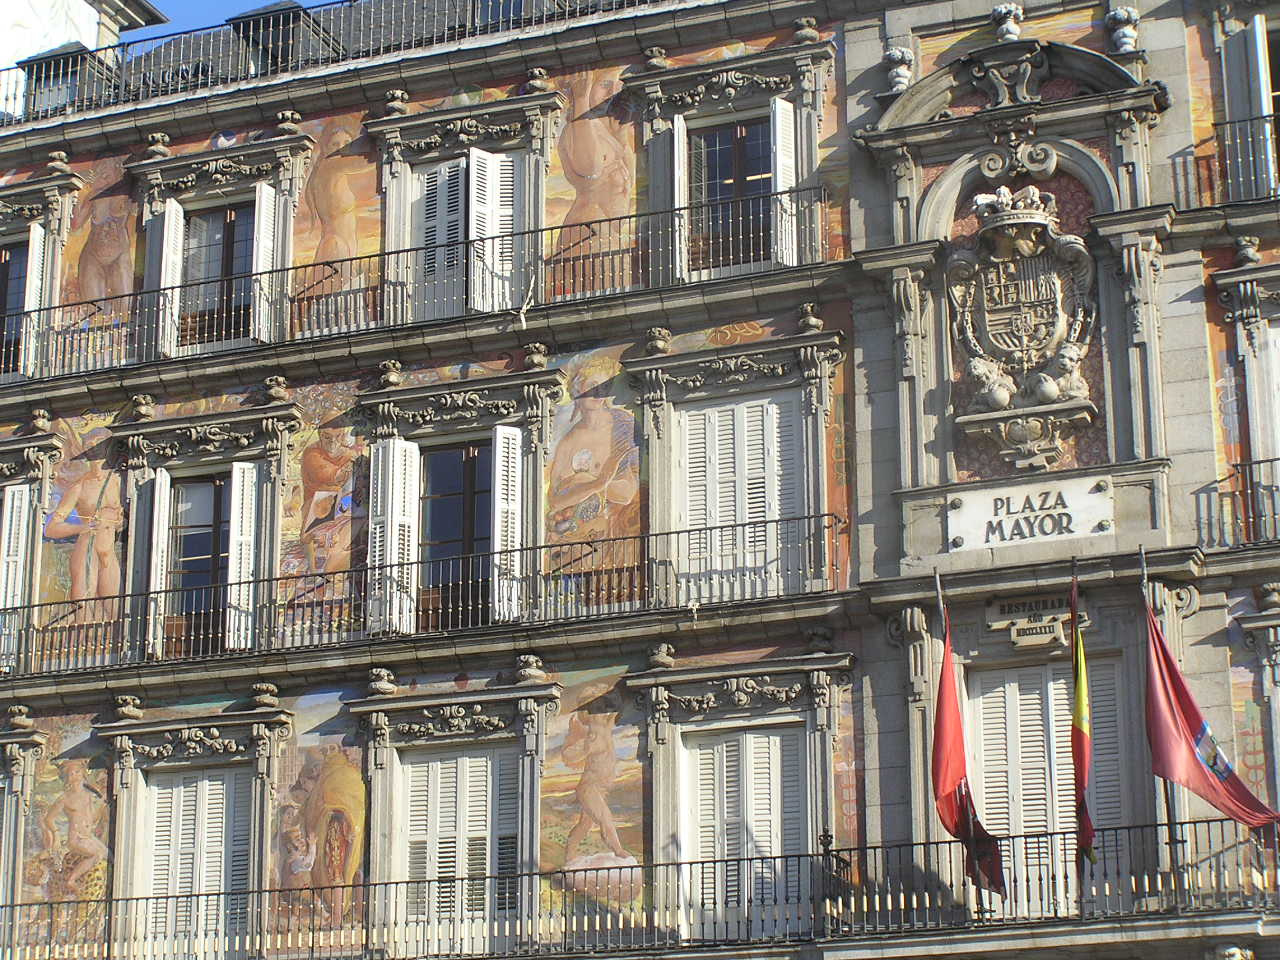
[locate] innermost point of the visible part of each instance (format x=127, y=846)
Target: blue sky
x=193, y=14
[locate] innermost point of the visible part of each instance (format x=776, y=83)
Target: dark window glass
x=217, y=256
x=198, y=545
x=456, y=492
x=730, y=177
x=13, y=286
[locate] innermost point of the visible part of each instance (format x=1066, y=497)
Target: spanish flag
x=1081, y=729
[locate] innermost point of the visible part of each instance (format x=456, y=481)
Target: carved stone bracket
x=901, y=272
x=30, y=456
x=810, y=360
x=519, y=711
x=801, y=67
x=246, y=433
x=525, y=399
x=1251, y=296
x=1262, y=633
x=282, y=159
x=532, y=118
x=255, y=735
x=909, y=630
x=785, y=684
x=22, y=746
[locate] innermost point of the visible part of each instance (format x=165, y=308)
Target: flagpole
x=1166, y=786
x=1075, y=628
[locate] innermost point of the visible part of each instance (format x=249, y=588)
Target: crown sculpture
x=1022, y=309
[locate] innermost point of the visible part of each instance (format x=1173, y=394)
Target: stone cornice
x=447, y=131
x=770, y=72
x=30, y=456
x=920, y=255
x=248, y=432
x=39, y=198
x=521, y=398
x=21, y=746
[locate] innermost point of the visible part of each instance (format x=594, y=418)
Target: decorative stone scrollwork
x=1022, y=308
x=30, y=456
x=252, y=431
x=532, y=117
x=518, y=711
x=21, y=745
x=521, y=398
x=530, y=669
x=382, y=682
x=1010, y=74
x=1016, y=153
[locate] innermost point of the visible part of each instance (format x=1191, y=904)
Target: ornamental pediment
x=524, y=399
x=530, y=118
x=662, y=90
x=46, y=198
x=30, y=454
x=240, y=434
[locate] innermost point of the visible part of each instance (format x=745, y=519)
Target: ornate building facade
x=472, y=477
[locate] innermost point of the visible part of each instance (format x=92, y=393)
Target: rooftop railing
x=282, y=39
x=431, y=284
x=557, y=582
x=1242, y=508
x=1197, y=867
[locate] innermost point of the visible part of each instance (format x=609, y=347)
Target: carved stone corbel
x=30, y=456
x=22, y=745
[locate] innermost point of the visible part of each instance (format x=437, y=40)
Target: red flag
x=1081, y=729
x=951, y=793
x=1183, y=749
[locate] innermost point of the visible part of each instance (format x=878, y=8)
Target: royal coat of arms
x=1022, y=309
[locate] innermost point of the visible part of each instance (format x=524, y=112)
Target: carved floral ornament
x=30, y=456
x=252, y=431
x=662, y=90
x=526, y=399
x=532, y=118
x=519, y=711
x=1022, y=308
x=810, y=360
x=808, y=682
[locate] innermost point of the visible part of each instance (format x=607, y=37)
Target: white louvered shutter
x=15, y=549
x=418, y=837
x=492, y=203
x=170, y=230
x=395, y=490
x=506, y=832
x=678, y=242
x=266, y=283
x=507, y=517
x=1249, y=137
x=994, y=752
x=242, y=555
x=784, y=228
x=33, y=301
x=161, y=503
x=439, y=212
x=1107, y=780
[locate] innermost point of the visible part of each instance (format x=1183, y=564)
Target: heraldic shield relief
x=1022, y=308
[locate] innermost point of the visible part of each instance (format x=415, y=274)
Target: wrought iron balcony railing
x=423, y=285
x=1243, y=507
x=1210, y=866
x=1248, y=167
x=553, y=583
x=276, y=40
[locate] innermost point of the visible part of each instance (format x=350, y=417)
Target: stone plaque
x=1018, y=514
x=1034, y=621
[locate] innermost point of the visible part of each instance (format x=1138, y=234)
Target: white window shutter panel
x=477, y=796
x=447, y=775
x=1033, y=812
x=506, y=829
x=171, y=225
x=755, y=448
x=15, y=548
x=161, y=497
x=439, y=227
x=214, y=826
x=242, y=554
x=266, y=282
x=491, y=223
x=1062, y=801
x=678, y=242
x=784, y=227
x=1249, y=136
x=994, y=751
x=699, y=467
x=1107, y=782
x=239, y=874
x=395, y=488
x=507, y=600
x=33, y=299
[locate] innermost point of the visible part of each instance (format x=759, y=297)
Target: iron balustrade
x=1211, y=866
x=269, y=43
x=428, y=284
x=1243, y=507
x=1248, y=159
x=556, y=582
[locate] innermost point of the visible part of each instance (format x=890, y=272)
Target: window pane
x=194, y=504
x=13, y=276
x=443, y=519
x=444, y=471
